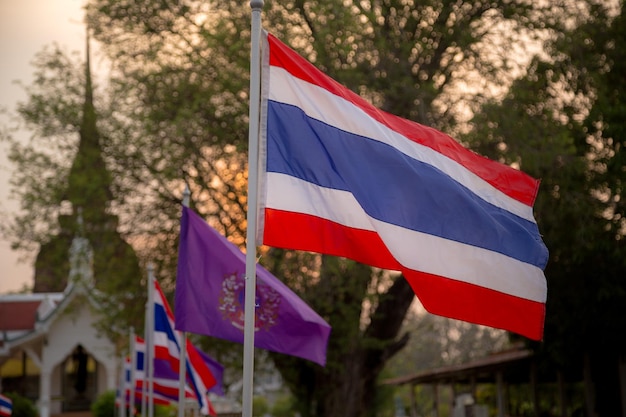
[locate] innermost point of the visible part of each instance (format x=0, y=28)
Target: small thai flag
x=6, y=406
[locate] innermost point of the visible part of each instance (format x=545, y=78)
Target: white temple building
x=50, y=349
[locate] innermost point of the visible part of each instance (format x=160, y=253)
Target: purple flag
x=210, y=290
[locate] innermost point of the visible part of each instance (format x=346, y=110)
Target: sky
x=26, y=26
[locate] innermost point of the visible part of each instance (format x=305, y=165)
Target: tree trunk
x=347, y=386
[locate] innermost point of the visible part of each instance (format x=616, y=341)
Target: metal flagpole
x=146, y=329
x=182, y=368
x=133, y=369
x=150, y=341
x=122, y=389
x=253, y=162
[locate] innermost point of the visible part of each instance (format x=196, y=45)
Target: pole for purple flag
x=253, y=162
x=182, y=369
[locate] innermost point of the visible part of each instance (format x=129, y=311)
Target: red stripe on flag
x=467, y=302
x=300, y=231
x=516, y=184
x=439, y=295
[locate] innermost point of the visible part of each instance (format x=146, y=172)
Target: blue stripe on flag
x=162, y=324
x=6, y=406
x=433, y=203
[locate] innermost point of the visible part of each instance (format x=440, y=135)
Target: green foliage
x=260, y=406
x=52, y=113
x=563, y=122
x=387, y=399
x=104, y=406
x=22, y=406
x=284, y=407
x=166, y=410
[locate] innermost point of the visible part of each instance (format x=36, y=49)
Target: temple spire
x=89, y=182
x=88, y=86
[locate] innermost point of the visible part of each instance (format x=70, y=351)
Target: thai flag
x=346, y=179
x=164, y=378
x=166, y=347
x=158, y=398
x=123, y=391
x=6, y=406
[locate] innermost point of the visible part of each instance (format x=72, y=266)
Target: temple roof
x=19, y=313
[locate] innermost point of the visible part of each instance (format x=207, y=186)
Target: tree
x=61, y=201
x=597, y=65
x=563, y=122
x=48, y=154
x=179, y=84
